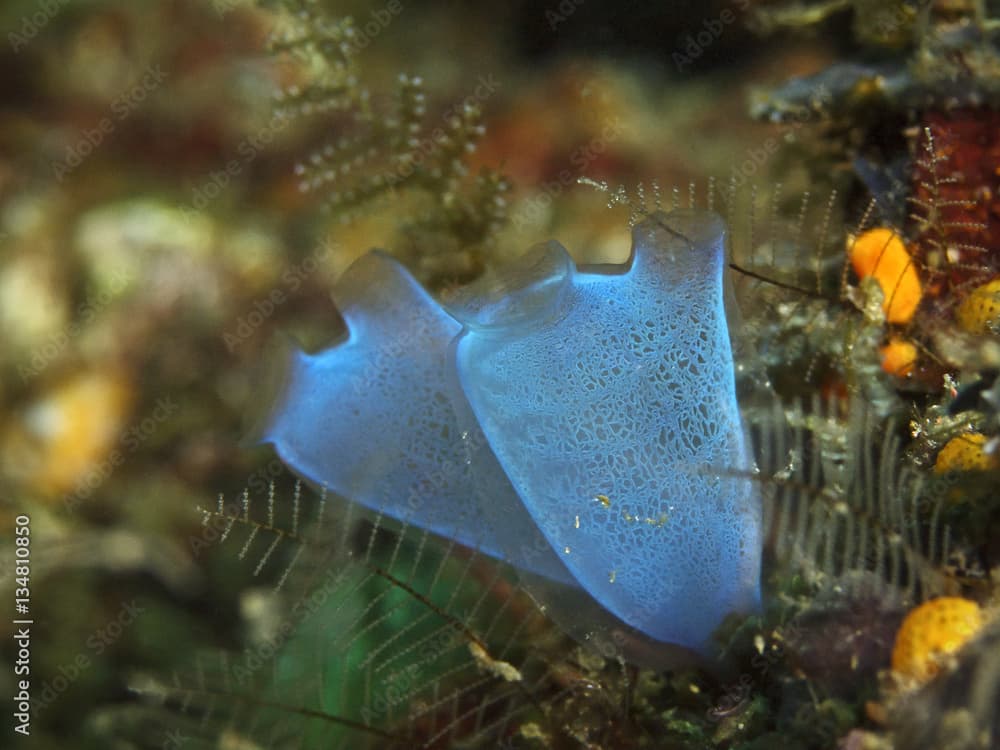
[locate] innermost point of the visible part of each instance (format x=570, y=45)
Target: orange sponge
x=881, y=253
x=898, y=357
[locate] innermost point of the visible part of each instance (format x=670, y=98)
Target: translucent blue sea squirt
x=579, y=423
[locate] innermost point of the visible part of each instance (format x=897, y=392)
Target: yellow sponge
x=980, y=308
x=932, y=631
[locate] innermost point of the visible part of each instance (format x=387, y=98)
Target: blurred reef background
x=181, y=180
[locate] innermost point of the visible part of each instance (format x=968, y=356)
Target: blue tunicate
x=612, y=409
x=591, y=408
x=379, y=418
